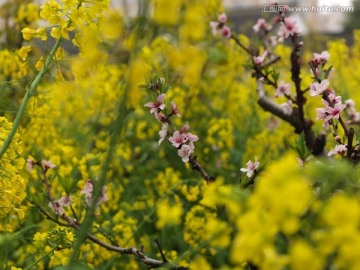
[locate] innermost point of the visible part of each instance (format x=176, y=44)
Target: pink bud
x=30, y=163
x=226, y=31
x=222, y=18
x=47, y=164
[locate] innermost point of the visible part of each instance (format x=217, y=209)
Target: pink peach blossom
x=184, y=152
x=320, y=58
x=214, y=28
x=174, y=109
x=47, y=164
x=283, y=89
x=225, y=31
x=259, y=24
x=177, y=139
x=259, y=59
x=287, y=107
x=250, y=168
x=58, y=205
x=163, y=133
x=157, y=105
x=339, y=149
x=222, y=18
x=318, y=88
x=30, y=164
x=334, y=112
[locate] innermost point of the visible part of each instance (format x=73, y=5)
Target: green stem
x=30, y=92
x=42, y=258
x=83, y=230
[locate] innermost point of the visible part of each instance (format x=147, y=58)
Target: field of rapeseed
x=168, y=140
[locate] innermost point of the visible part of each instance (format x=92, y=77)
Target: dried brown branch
x=195, y=165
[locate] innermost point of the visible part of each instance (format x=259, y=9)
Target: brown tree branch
x=350, y=136
x=138, y=253
x=315, y=144
x=196, y=166
x=270, y=106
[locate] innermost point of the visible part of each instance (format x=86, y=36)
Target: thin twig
x=161, y=251
x=237, y=41
x=49, y=217
x=138, y=253
x=195, y=165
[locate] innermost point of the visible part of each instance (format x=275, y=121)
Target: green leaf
x=248, y=65
x=67, y=183
x=327, y=72
x=275, y=75
x=300, y=147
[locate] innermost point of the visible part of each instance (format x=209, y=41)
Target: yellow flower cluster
x=12, y=183
x=27, y=13
x=14, y=64
x=196, y=221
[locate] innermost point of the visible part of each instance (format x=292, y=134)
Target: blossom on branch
x=222, y=18
x=163, y=133
x=334, y=112
x=88, y=192
x=283, y=89
x=289, y=28
x=178, y=138
x=318, y=88
x=184, y=152
x=351, y=111
x=287, y=107
x=225, y=31
x=261, y=24
x=191, y=138
x=174, y=109
x=185, y=141
x=331, y=110
x=333, y=98
x=30, y=164
x=320, y=58
x=58, y=205
x=259, y=59
x=250, y=168
x=157, y=105
x=47, y=164
x=159, y=116
x=219, y=27
x=339, y=149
